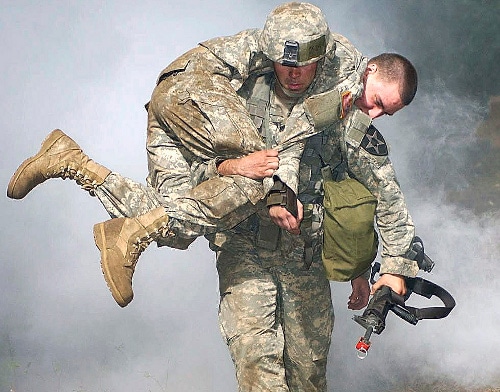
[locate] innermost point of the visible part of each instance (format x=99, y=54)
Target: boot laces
x=141, y=244
x=81, y=179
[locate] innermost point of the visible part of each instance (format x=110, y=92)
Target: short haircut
x=394, y=68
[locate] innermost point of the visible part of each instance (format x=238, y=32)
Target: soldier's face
x=379, y=96
x=294, y=81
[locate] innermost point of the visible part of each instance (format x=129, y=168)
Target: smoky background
x=88, y=68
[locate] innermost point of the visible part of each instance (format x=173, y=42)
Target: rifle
x=385, y=300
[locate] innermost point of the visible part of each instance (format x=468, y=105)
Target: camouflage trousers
x=200, y=211
x=275, y=315
x=181, y=139
x=194, y=118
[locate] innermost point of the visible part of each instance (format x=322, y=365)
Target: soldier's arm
x=288, y=170
x=256, y=165
x=373, y=168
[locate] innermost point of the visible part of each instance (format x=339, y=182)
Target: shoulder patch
x=374, y=142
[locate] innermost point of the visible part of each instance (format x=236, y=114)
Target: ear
x=371, y=68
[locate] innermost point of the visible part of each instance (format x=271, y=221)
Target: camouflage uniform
x=275, y=314
x=197, y=116
x=217, y=102
x=275, y=310
x=178, y=162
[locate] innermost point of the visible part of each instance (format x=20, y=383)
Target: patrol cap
x=295, y=34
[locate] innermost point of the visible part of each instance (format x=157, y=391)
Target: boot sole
x=100, y=241
x=49, y=141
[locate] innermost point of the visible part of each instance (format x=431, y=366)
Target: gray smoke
x=88, y=68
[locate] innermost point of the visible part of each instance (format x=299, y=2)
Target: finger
x=293, y=222
x=293, y=225
x=284, y=224
x=281, y=224
x=268, y=173
x=272, y=164
x=271, y=153
x=300, y=212
x=375, y=287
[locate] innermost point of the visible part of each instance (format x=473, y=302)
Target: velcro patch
x=374, y=142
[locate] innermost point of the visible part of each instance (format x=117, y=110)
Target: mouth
x=294, y=86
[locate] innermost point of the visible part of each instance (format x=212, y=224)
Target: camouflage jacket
x=233, y=62
x=237, y=59
x=367, y=158
x=371, y=167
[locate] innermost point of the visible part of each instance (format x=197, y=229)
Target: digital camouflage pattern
x=302, y=23
x=369, y=163
x=274, y=313
x=217, y=119
x=197, y=116
x=174, y=159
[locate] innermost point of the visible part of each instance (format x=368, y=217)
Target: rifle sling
x=428, y=289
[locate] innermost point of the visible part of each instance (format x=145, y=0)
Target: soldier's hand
x=360, y=293
x=256, y=165
x=284, y=219
x=395, y=282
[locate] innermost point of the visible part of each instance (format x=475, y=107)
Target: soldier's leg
x=185, y=212
x=307, y=316
x=248, y=318
x=209, y=201
x=123, y=197
x=203, y=110
x=197, y=113
x=122, y=240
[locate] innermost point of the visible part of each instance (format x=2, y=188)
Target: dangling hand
x=360, y=293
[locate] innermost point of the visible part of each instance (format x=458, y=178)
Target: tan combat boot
x=59, y=156
x=121, y=242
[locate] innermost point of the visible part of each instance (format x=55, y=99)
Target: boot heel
x=47, y=143
x=105, y=235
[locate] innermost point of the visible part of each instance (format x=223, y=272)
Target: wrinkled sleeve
x=288, y=171
x=393, y=220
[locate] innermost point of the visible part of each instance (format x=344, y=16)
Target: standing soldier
x=228, y=123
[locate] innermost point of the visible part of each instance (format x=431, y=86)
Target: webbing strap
x=428, y=289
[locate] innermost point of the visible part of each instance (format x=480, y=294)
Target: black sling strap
x=421, y=287
x=428, y=289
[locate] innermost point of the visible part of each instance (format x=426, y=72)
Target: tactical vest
x=267, y=117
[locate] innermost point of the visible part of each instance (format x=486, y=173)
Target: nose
x=294, y=72
x=375, y=112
